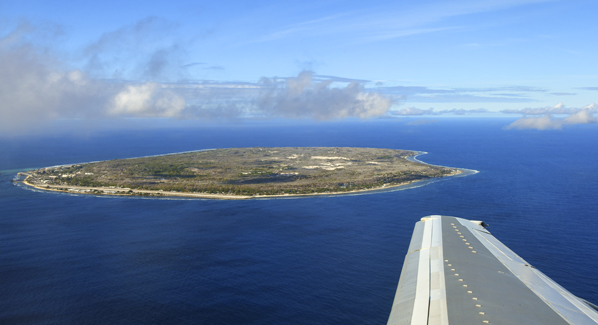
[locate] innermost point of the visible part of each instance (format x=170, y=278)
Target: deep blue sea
x=79, y=259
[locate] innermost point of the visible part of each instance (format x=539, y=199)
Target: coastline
x=165, y=194
x=128, y=192
x=464, y=171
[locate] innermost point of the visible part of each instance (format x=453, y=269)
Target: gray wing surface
x=456, y=272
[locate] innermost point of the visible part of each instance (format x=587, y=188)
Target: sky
x=308, y=60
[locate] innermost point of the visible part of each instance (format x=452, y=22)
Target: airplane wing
x=456, y=272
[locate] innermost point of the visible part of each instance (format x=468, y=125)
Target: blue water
x=72, y=259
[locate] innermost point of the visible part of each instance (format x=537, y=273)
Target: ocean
x=73, y=259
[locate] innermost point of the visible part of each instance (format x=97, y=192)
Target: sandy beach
x=134, y=192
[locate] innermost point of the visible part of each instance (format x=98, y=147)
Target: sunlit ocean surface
x=74, y=259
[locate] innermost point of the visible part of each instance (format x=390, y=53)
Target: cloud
x=302, y=97
x=514, y=89
x=413, y=90
x=589, y=88
x=421, y=90
x=339, y=79
x=416, y=111
x=188, y=65
x=144, y=50
x=585, y=115
x=160, y=63
x=556, y=109
x=545, y=122
x=146, y=100
x=463, y=111
x=373, y=23
x=36, y=87
x=563, y=94
x=510, y=94
x=591, y=107
x=214, y=67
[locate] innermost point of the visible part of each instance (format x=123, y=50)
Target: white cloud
x=302, y=97
x=545, y=122
x=585, y=115
x=431, y=111
x=414, y=111
x=147, y=100
x=591, y=107
x=36, y=88
x=556, y=109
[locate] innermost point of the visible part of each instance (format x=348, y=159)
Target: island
x=242, y=173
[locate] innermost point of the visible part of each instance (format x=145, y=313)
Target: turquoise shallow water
x=333, y=260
